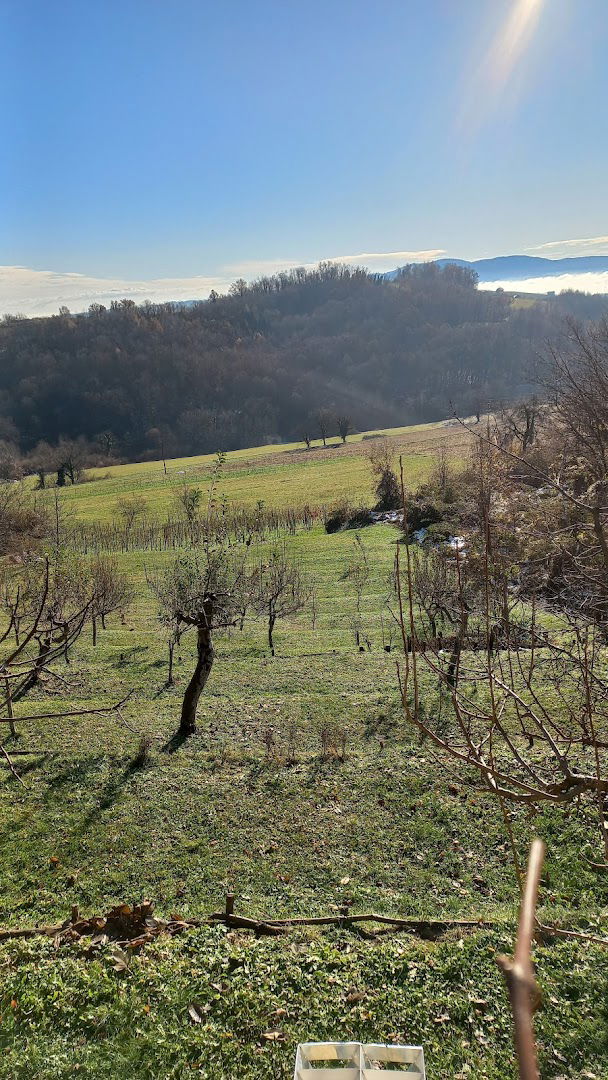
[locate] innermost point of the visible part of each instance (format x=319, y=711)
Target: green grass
x=385, y=829
x=280, y=476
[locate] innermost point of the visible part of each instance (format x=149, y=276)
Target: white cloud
x=593, y=283
x=374, y=260
x=591, y=245
x=389, y=260
x=42, y=292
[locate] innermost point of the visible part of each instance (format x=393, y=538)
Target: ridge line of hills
x=519, y=267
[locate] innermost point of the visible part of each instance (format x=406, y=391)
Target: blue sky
x=151, y=140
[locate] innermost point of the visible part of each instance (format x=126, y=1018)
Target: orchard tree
x=358, y=573
x=130, y=508
x=206, y=589
x=111, y=591
x=279, y=590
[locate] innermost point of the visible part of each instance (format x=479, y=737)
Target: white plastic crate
x=310, y=1054
x=357, y=1061
x=408, y=1061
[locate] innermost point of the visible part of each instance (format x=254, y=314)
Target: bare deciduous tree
x=344, y=424
x=207, y=590
x=46, y=607
x=24, y=520
x=111, y=591
x=279, y=591
x=532, y=723
x=130, y=508
x=324, y=419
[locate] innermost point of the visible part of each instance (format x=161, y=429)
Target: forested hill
x=254, y=366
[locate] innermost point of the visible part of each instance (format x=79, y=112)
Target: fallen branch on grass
x=77, y=712
x=135, y=926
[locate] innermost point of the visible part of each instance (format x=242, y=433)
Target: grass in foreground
x=293, y=831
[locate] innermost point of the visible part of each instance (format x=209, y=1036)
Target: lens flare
x=504, y=53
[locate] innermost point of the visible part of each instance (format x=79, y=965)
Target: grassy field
x=279, y=475
x=289, y=830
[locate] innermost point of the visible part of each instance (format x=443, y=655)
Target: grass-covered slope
x=252, y=805
x=280, y=475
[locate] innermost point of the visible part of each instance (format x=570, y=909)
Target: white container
x=358, y=1061
x=309, y=1054
x=383, y=1055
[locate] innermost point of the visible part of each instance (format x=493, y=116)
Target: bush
x=388, y=491
x=421, y=513
x=345, y=516
x=338, y=516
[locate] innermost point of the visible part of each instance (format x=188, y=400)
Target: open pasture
x=281, y=475
x=303, y=793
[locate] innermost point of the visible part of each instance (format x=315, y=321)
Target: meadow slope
x=279, y=475
x=262, y=802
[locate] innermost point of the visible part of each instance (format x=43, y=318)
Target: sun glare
x=498, y=63
x=512, y=40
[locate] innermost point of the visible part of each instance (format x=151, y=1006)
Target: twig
x=11, y=766
x=518, y=972
x=572, y=935
x=78, y=712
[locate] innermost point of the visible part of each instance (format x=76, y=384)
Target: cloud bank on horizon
x=24, y=291
x=588, y=282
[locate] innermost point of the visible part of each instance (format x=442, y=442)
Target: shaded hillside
x=254, y=366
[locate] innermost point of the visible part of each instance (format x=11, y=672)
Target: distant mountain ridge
x=520, y=267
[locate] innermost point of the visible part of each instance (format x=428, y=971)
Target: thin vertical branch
x=519, y=974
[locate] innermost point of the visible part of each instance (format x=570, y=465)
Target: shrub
x=338, y=516
x=421, y=513
x=345, y=516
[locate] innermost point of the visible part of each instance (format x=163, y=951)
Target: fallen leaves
x=197, y=1012
x=120, y=958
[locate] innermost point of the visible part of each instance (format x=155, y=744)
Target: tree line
x=260, y=363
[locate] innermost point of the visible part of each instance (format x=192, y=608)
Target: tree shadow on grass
x=81, y=774
x=174, y=743
x=127, y=656
x=73, y=772
x=34, y=762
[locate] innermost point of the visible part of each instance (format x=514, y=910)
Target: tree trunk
x=204, y=663
x=94, y=629
x=271, y=622
x=452, y=673
x=170, y=672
